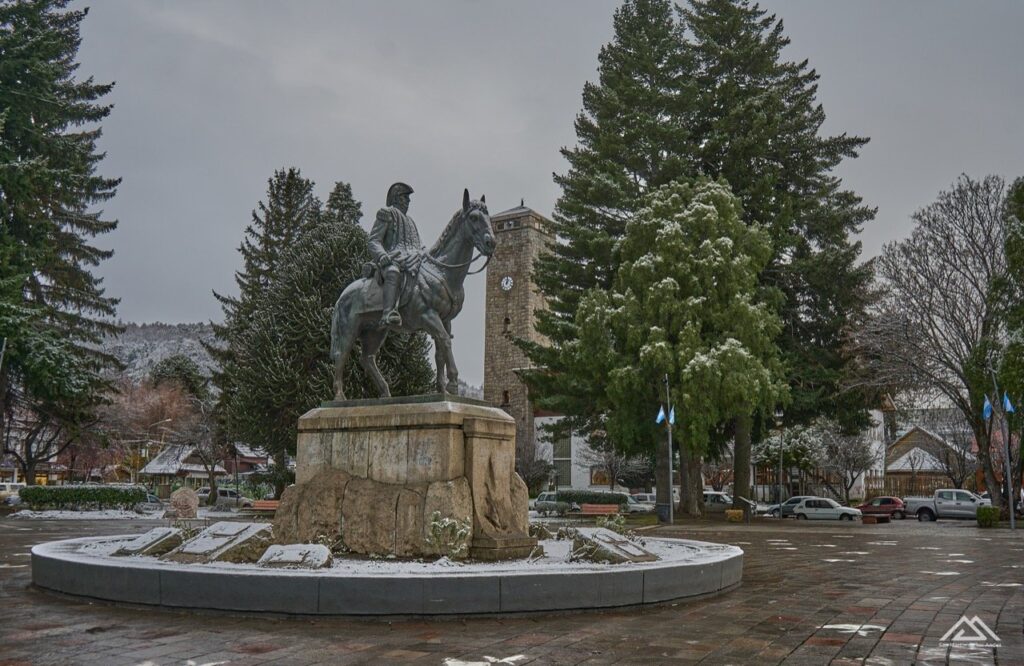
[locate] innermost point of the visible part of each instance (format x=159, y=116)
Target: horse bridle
x=438, y=262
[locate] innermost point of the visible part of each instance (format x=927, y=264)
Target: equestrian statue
x=408, y=288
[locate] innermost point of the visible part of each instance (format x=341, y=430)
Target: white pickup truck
x=945, y=503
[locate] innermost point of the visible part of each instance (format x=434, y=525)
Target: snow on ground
x=555, y=559
x=111, y=514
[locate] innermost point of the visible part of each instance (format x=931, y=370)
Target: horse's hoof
x=339, y=396
x=452, y=387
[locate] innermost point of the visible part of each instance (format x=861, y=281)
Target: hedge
x=988, y=516
x=590, y=497
x=81, y=497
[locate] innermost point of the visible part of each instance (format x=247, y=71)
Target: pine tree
x=56, y=309
x=283, y=363
x=341, y=206
x=633, y=136
x=760, y=129
x=181, y=371
x=686, y=304
x=290, y=210
x=728, y=105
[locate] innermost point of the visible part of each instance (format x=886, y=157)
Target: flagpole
x=668, y=426
x=1004, y=428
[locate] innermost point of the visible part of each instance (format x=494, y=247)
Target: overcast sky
x=212, y=97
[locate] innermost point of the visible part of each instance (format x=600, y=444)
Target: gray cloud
x=212, y=97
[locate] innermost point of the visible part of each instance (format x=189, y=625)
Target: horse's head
x=478, y=222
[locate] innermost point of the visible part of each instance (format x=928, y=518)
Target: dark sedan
x=884, y=506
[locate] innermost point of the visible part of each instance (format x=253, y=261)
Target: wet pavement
x=812, y=593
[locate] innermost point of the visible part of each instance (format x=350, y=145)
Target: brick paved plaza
x=812, y=593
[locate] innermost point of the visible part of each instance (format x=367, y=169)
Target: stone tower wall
x=522, y=236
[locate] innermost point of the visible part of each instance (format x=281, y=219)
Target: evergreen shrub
x=81, y=497
x=590, y=497
x=988, y=516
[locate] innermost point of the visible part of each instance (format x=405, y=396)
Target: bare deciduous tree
x=842, y=459
x=613, y=463
x=200, y=430
x=954, y=454
x=938, y=326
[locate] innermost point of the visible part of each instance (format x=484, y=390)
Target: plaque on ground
x=157, y=541
x=225, y=541
x=603, y=545
x=296, y=556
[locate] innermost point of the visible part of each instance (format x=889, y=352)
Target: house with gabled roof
x=179, y=463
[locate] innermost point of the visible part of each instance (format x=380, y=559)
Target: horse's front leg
x=452, y=369
x=439, y=363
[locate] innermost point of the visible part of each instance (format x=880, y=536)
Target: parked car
x=716, y=501
x=945, y=503
x=225, y=497
x=884, y=506
x=633, y=505
x=547, y=502
x=786, y=508
x=823, y=508
x=8, y=489
x=152, y=503
x=652, y=498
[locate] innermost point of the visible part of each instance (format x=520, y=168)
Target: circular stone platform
x=85, y=567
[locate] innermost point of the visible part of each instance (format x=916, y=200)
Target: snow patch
x=109, y=514
x=859, y=629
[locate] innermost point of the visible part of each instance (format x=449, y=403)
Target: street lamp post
x=778, y=424
x=671, y=485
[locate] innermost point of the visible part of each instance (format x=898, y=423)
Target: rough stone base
x=371, y=474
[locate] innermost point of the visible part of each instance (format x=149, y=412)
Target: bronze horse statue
x=428, y=301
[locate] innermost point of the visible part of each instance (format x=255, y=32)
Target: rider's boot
x=391, y=316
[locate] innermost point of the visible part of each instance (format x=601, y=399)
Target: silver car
x=823, y=508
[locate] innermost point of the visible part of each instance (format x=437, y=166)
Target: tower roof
x=518, y=211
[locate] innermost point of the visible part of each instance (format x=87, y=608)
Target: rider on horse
x=396, y=249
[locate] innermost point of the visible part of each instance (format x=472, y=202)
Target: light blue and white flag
x=986, y=410
x=672, y=416
x=661, y=414
x=1007, y=405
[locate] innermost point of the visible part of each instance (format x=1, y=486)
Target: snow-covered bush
x=449, y=537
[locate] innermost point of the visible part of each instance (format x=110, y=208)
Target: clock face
x=506, y=282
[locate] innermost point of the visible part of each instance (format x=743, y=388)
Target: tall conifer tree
x=633, y=136
x=289, y=210
x=55, y=309
x=708, y=93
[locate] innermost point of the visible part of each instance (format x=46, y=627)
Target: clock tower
x=512, y=298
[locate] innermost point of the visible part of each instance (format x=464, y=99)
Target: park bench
x=878, y=518
x=599, y=509
x=263, y=507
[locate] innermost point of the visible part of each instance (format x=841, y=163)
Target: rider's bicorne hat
x=397, y=190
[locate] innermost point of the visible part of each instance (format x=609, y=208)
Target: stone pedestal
x=371, y=473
